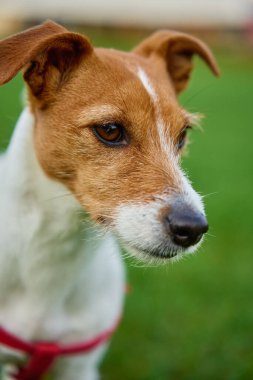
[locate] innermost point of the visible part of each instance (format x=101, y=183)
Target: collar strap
x=43, y=355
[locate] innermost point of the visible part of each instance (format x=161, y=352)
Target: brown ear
x=177, y=49
x=47, y=53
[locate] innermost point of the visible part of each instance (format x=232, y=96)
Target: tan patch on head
x=73, y=87
x=102, y=177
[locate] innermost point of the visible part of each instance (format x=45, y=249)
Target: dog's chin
x=159, y=255
x=155, y=255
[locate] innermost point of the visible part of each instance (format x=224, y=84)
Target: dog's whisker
x=196, y=93
x=211, y=235
x=57, y=197
x=209, y=194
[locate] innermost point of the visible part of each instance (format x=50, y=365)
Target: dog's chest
x=61, y=288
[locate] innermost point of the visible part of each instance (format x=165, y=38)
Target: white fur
x=59, y=279
x=147, y=84
x=166, y=148
x=161, y=127
x=140, y=227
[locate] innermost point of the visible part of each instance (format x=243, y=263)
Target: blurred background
x=192, y=320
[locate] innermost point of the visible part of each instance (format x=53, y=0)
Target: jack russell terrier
x=94, y=161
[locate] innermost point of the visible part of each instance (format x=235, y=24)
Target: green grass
x=193, y=320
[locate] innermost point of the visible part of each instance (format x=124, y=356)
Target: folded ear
x=177, y=49
x=47, y=54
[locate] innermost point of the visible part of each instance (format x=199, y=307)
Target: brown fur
x=66, y=77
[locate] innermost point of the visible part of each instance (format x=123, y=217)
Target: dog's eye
x=182, y=138
x=110, y=134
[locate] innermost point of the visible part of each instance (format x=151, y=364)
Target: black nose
x=186, y=226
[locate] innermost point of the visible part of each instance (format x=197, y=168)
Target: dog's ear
x=46, y=53
x=177, y=49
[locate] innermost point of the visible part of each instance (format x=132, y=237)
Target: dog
x=93, y=164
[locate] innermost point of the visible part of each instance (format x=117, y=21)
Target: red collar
x=42, y=355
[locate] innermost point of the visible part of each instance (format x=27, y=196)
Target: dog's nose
x=186, y=227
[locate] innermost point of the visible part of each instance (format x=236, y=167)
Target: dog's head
x=108, y=125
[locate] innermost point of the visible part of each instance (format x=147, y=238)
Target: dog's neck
x=46, y=225
x=25, y=175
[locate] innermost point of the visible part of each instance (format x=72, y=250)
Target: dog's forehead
x=138, y=69
x=136, y=86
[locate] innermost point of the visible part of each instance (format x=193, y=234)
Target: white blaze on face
x=161, y=128
x=166, y=145
x=191, y=196
x=139, y=224
x=147, y=84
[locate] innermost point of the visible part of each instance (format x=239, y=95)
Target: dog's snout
x=185, y=226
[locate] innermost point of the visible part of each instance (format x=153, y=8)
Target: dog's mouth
x=154, y=254
x=161, y=230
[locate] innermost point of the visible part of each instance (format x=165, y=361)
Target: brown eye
x=182, y=138
x=110, y=134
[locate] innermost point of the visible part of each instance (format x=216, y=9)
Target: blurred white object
x=152, y=13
